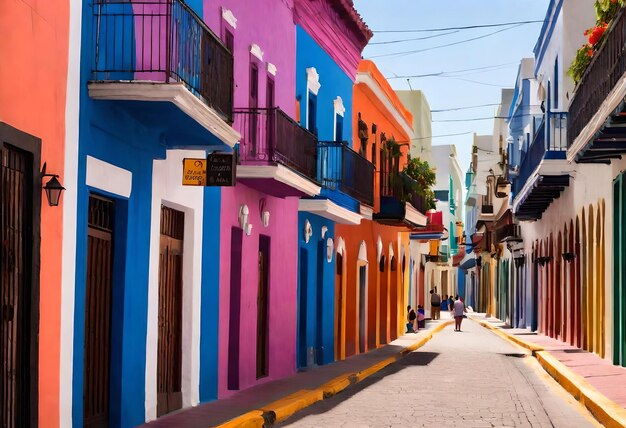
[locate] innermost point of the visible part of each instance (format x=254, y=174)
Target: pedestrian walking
x=435, y=304
x=450, y=303
x=459, y=310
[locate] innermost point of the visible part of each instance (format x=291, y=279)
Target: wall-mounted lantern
x=265, y=214
x=568, y=257
x=330, y=249
x=308, y=231
x=244, y=213
x=53, y=187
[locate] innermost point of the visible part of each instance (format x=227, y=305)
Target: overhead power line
x=405, y=53
x=441, y=136
x=464, y=108
x=442, y=73
x=467, y=27
x=481, y=118
x=389, y=42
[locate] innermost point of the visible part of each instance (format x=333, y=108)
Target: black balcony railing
x=270, y=136
x=162, y=41
x=605, y=70
x=531, y=159
x=341, y=168
x=402, y=187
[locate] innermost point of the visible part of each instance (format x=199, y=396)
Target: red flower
x=595, y=34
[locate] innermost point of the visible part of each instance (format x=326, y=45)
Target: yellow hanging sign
x=194, y=172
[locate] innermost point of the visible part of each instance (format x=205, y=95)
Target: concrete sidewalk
x=597, y=383
x=276, y=400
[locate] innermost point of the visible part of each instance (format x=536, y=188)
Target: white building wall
x=167, y=190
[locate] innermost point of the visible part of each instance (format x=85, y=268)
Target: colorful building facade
x=32, y=135
x=373, y=274
x=329, y=41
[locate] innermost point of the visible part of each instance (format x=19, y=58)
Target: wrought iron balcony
x=532, y=158
x=270, y=136
x=162, y=41
x=401, y=187
x=602, y=75
x=341, y=168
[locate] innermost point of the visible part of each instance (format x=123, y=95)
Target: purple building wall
x=268, y=24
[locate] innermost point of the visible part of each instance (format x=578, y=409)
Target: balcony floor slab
x=277, y=180
x=330, y=210
x=174, y=93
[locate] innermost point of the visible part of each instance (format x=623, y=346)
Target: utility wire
x=441, y=136
x=405, y=53
x=464, y=108
x=413, y=39
x=475, y=81
x=483, y=118
x=467, y=27
x=440, y=73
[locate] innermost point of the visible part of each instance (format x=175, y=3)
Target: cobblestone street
x=467, y=379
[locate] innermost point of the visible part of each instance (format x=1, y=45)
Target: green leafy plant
x=422, y=178
x=606, y=10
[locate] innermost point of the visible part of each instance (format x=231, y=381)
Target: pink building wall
x=254, y=19
x=279, y=48
x=283, y=285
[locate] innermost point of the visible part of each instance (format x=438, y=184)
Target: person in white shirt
x=459, y=309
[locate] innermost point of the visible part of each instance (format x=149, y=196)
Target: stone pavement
x=608, y=379
x=468, y=379
x=220, y=411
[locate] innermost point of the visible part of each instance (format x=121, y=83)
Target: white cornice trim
x=330, y=210
x=370, y=82
x=282, y=174
x=608, y=106
x=176, y=93
x=339, y=107
x=271, y=69
x=227, y=15
x=256, y=51
x=313, y=80
x=108, y=177
x=366, y=211
x=414, y=216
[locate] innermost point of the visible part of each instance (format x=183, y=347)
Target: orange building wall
x=388, y=290
x=33, y=72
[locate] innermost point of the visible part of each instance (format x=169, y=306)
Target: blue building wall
x=334, y=82
x=130, y=135
x=209, y=314
x=316, y=297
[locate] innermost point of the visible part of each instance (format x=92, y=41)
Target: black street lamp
x=53, y=187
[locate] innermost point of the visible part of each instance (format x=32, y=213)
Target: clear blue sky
x=507, y=47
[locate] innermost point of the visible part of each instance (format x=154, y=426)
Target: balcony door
x=253, y=103
x=19, y=219
x=169, y=360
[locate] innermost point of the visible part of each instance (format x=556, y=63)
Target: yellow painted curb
x=282, y=409
x=253, y=419
x=336, y=385
x=530, y=346
x=608, y=412
x=287, y=406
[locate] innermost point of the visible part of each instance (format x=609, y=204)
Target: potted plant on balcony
x=422, y=179
x=606, y=11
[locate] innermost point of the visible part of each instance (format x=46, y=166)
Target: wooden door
x=262, y=307
x=169, y=395
x=254, y=104
x=97, y=352
x=15, y=287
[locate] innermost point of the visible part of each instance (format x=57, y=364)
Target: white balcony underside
x=176, y=93
x=414, y=216
x=330, y=210
x=595, y=124
x=281, y=174
x=546, y=167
